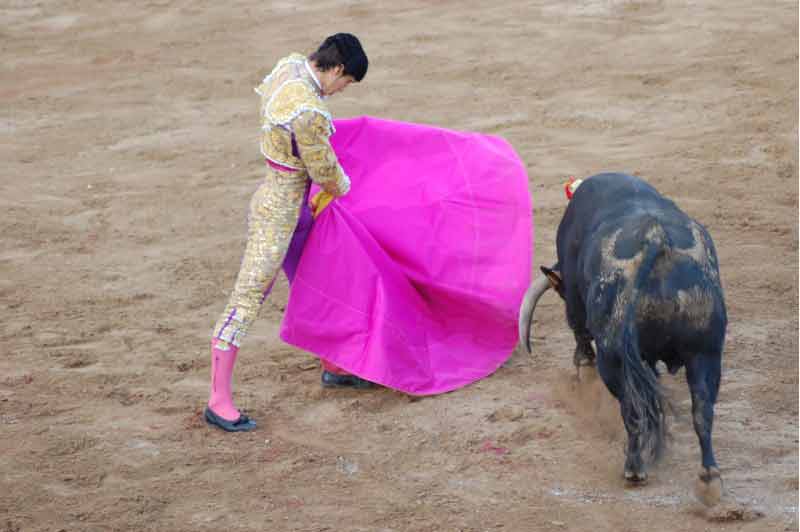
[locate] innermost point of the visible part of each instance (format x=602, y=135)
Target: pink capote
x=414, y=279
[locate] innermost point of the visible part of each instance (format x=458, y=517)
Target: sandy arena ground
x=128, y=135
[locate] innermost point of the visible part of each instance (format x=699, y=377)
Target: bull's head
x=550, y=278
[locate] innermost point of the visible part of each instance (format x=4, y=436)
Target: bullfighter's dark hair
x=342, y=49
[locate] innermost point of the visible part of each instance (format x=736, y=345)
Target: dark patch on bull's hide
x=628, y=244
x=636, y=234
x=681, y=236
x=678, y=274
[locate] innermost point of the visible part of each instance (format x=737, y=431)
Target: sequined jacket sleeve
x=312, y=131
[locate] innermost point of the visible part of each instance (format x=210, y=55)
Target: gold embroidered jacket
x=297, y=125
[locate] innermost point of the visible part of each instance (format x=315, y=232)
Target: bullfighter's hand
x=319, y=201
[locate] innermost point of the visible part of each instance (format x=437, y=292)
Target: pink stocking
x=223, y=358
x=332, y=368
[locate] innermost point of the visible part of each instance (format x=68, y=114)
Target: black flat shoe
x=332, y=380
x=243, y=424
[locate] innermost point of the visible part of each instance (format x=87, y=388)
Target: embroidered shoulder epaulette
x=293, y=97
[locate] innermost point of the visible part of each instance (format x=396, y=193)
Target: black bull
x=640, y=278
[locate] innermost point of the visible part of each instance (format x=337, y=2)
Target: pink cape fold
x=414, y=279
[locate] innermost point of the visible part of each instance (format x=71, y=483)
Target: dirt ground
x=128, y=135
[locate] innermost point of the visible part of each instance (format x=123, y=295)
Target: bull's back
x=679, y=307
x=601, y=198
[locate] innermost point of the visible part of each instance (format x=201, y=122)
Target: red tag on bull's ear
x=571, y=185
x=568, y=187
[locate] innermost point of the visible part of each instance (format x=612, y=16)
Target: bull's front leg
x=584, y=352
x=609, y=366
x=635, y=472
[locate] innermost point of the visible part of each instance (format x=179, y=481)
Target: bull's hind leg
x=703, y=374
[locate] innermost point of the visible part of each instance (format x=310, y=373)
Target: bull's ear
x=554, y=278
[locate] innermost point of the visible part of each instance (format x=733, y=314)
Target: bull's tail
x=644, y=402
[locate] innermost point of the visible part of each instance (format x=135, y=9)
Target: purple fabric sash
x=301, y=232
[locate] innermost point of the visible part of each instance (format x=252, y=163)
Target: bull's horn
x=535, y=291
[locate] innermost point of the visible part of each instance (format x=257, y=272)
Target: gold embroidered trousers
x=274, y=212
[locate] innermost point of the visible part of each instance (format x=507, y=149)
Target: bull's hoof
x=578, y=369
x=583, y=363
x=582, y=359
x=635, y=478
x=708, y=488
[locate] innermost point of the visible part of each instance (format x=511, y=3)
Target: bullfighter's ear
x=554, y=278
